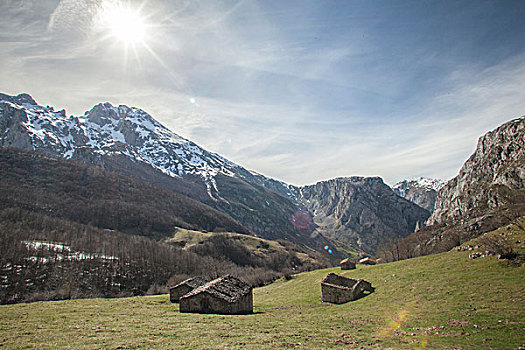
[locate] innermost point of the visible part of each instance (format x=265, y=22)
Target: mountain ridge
x=487, y=193
x=129, y=141
x=497, y=163
x=421, y=190
x=359, y=210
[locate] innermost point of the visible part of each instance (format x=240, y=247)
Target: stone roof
x=340, y=281
x=347, y=260
x=193, y=282
x=227, y=288
x=367, y=260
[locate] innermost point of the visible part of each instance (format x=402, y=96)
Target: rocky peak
x=360, y=211
x=102, y=114
x=421, y=190
x=107, y=130
x=20, y=99
x=488, y=178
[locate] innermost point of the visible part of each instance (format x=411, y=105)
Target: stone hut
x=185, y=287
x=338, y=289
x=347, y=264
x=368, y=261
x=225, y=295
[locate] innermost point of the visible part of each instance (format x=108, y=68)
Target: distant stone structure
x=185, y=287
x=368, y=261
x=347, y=264
x=225, y=295
x=338, y=289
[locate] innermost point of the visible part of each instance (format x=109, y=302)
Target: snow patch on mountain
x=59, y=252
x=107, y=129
x=421, y=190
x=418, y=182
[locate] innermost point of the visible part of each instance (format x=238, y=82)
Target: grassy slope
x=257, y=246
x=444, y=301
x=186, y=238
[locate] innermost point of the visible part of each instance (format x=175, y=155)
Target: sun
x=124, y=23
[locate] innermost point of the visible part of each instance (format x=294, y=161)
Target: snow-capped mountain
x=421, y=190
x=107, y=129
x=419, y=182
x=129, y=141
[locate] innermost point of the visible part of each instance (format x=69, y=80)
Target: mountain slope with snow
x=84, y=194
x=107, y=129
x=421, y=190
x=129, y=141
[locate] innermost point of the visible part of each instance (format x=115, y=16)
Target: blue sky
x=297, y=90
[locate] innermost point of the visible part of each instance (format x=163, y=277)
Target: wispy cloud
x=301, y=92
x=72, y=18
x=434, y=142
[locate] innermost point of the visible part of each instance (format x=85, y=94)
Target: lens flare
x=424, y=344
x=301, y=219
x=396, y=322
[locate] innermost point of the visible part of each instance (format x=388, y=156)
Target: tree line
x=114, y=264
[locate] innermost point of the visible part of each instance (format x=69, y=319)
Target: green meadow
x=444, y=301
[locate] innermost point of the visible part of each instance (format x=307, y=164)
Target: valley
x=116, y=183
x=248, y=174
x=128, y=141
x=444, y=301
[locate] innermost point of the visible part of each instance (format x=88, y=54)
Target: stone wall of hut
x=179, y=291
x=335, y=294
x=348, y=265
x=210, y=304
x=338, y=289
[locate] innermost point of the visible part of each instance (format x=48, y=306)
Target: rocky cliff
x=492, y=178
x=422, y=191
x=360, y=211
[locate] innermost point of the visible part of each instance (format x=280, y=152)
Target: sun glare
x=125, y=24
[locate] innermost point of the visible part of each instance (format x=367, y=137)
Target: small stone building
x=347, y=264
x=338, y=289
x=185, y=287
x=225, y=295
x=368, y=261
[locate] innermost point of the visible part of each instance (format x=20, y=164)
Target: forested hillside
x=91, y=196
x=72, y=231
